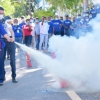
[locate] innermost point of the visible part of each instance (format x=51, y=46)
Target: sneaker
x=14, y=80
x=1, y=83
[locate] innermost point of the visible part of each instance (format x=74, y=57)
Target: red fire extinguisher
x=28, y=60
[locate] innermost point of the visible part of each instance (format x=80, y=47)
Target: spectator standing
x=57, y=25
x=62, y=27
x=93, y=11
x=44, y=27
x=23, y=22
x=17, y=31
x=27, y=32
x=33, y=34
x=50, y=31
x=66, y=25
x=37, y=32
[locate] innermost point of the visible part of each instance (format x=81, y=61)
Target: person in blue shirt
x=90, y=16
x=50, y=31
x=18, y=35
x=87, y=26
x=66, y=25
x=56, y=25
x=81, y=25
x=93, y=12
x=62, y=27
x=73, y=27
x=98, y=9
x=17, y=31
x=2, y=45
x=77, y=20
x=23, y=22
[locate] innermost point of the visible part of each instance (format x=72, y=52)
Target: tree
x=23, y=6
x=42, y=12
x=73, y=6
x=86, y=5
x=6, y=4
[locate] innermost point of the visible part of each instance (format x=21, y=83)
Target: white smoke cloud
x=96, y=1
x=80, y=57
x=77, y=60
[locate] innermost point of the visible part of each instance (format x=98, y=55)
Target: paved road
x=32, y=85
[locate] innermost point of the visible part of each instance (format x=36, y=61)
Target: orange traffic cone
x=63, y=83
x=53, y=55
x=28, y=60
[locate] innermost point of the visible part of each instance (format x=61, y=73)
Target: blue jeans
x=66, y=32
x=10, y=46
x=28, y=40
x=37, y=42
x=19, y=40
x=43, y=39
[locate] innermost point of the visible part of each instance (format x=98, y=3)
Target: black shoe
x=1, y=83
x=14, y=80
x=8, y=58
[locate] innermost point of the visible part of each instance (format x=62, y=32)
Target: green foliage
x=19, y=10
x=6, y=4
x=40, y=13
x=73, y=6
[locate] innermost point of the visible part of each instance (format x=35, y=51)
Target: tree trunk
x=86, y=5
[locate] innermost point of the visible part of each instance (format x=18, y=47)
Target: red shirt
x=27, y=30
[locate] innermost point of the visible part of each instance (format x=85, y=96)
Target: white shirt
x=44, y=28
x=33, y=32
x=37, y=28
x=6, y=27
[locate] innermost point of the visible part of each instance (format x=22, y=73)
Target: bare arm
x=12, y=33
x=8, y=38
x=65, y=26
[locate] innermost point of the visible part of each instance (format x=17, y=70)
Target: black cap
x=7, y=17
x=1, y=8
x=22, y=16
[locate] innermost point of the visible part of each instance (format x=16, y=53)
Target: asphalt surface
x=33, y=85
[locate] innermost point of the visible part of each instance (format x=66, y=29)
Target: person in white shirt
x=44, y=27
x=37, y=33
x=33, y=35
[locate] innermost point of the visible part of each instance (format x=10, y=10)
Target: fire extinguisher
x=28, y=60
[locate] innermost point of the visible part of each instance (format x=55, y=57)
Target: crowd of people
x=35, y=33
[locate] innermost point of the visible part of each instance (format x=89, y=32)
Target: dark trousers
x=37, y=42
x=66, y=32
x=28, y=40
x=10, y=46
x=62, y=33
x=57, y=33
x=2, y=73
